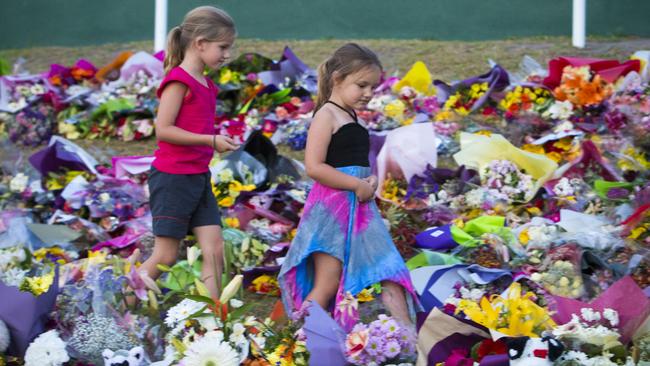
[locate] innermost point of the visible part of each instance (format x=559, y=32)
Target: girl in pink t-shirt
x=181, y=196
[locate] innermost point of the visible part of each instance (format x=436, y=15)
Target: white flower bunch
x=48, y=349
x=559, y=110
x=589, y=328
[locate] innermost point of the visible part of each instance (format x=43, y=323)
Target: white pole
x=160, y=30
x=579, y=23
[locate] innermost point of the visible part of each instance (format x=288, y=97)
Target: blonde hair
x=208, y=22
x=345, y=61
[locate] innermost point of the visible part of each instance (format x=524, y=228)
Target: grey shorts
x=181, y=202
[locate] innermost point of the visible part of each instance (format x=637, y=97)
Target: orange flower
x=580, y=88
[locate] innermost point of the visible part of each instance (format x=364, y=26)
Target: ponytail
x=325, y=85
x=175, y=49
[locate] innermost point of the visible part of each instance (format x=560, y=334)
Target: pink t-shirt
x=197, y=114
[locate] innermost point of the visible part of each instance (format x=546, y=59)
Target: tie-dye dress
x=334, y=222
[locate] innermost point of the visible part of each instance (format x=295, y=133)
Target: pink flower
x=281, y=112
x=459, y=357
x=356, y=342
x=140, y=282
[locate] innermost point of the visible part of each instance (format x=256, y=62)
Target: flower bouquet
x=383, y=341
x=226, y=188
x=560, y=273
x=516, y=314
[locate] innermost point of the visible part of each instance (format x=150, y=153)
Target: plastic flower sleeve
x=26, y=314
x=477, y=151
x=632, y=314
x=407, y=151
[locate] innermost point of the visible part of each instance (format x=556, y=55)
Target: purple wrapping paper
x=61, y=153
x=443, y=349
x=429, y=181
x=497, y=79
x=123, y=166
x=437, y=238
x=495, y=360
x=290, y=66
x=25, y=314
x=325, y=338
x=377, y=140
x=624, y=296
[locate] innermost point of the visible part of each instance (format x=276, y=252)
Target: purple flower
x=390, y=328
x=392, y=349
x=375, y=345
x=300, y=314
x=615, y=120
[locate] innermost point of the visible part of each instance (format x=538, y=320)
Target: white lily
x=231, y=289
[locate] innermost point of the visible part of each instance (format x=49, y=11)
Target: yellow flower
x=444, y=116
x=68, y=130
x=281, y=356
x=97, y=256
x=248, y=187
x=637, y=232
x=536, y=149
x=524, y=238
x=234, y=186
x=43, y=252
x=484, y=133
x=226, y=76
x=38, y=285
x=555, y=156
x=408, y=121
x=564, y=143
x=458, y=222
x=55, y=184
x=462, y=111
x=292, y=234
x=534, y=211
x=513, y=315
x=232, y=222
x=226, y=201
x=635, y=155
x=365, y=295
x=395, y=109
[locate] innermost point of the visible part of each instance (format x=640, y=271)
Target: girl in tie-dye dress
x=342, y=244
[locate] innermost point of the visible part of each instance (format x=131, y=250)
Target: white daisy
x=181, y=311
x=208, y=351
